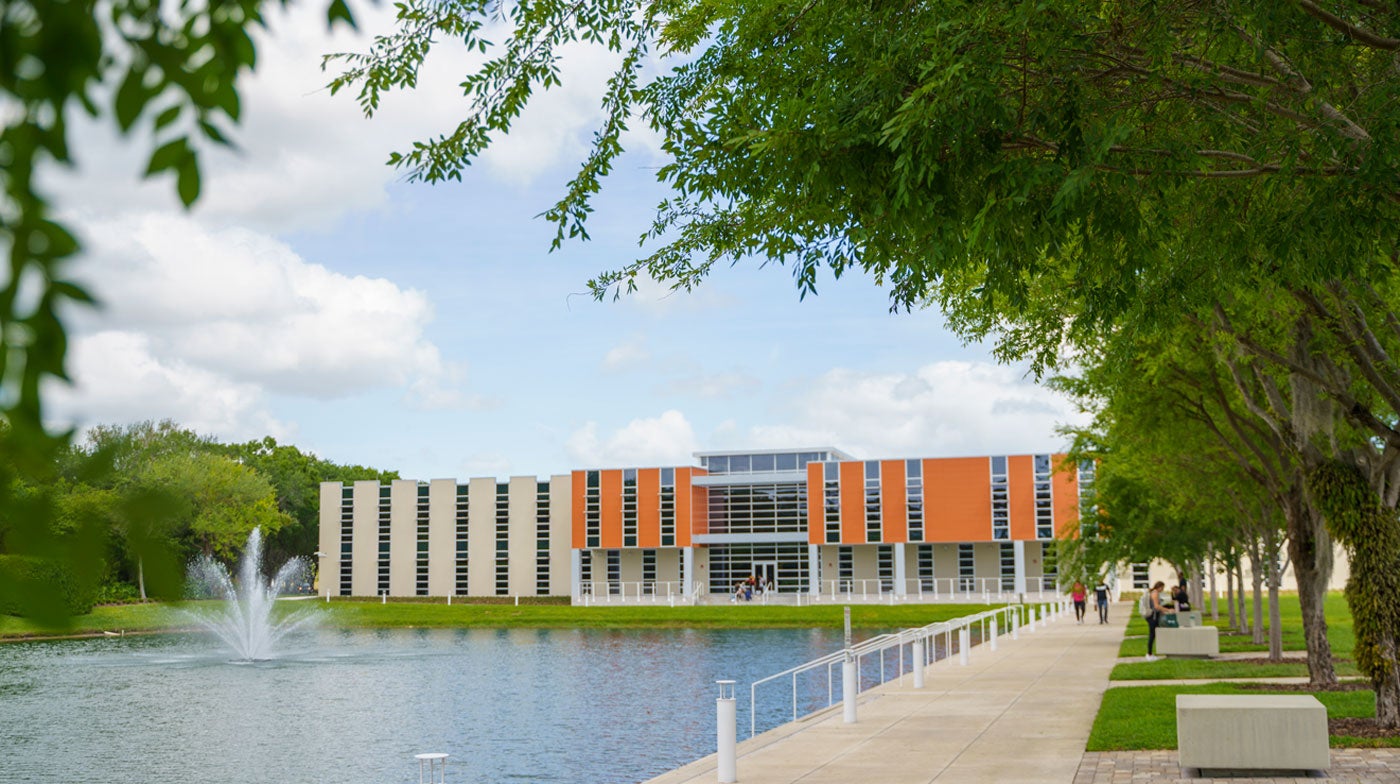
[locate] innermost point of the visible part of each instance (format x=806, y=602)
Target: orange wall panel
x=611, y=518
x=1020, y=478
x=958, y=500
x=852, y=478
x=649, y=507
x=1065, y=487
x=893, y=495
x=692, y=502
x=580, y=503
x=816, y=504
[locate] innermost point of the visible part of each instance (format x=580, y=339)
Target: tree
x=147, y=67
x=296, y=477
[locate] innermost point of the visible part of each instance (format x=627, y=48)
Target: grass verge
x=157, y=617
x=1339, y=631
x=1144, y=717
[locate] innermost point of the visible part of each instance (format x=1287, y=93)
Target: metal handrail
x=878, y=645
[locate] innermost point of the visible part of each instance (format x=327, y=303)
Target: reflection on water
x=355, y=706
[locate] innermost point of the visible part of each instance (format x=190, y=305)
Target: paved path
x=1021, y=714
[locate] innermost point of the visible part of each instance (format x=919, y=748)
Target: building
x=814, y=522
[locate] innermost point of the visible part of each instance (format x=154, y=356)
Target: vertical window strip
x=585, y=568
x=542, y=539
x=873, y=531
x=884, y=566
x=649, y=571
x=460, y=526
x=1044, y=499
x=383, y=584
x=1050, y=564
x=629, y=507
x=614, y=572
x=502, y=539
x=1008, y=566
x=925, y=567
x=593, y=510
x=347, y=537
x=420, y=583
x=967, y=567
x=845, y=565
x=914, y=498
x=1001, y=505
x=668, y=507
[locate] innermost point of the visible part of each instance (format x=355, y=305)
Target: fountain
x=245, y=619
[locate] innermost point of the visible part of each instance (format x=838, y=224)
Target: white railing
x=896, y=642
x=988, y=590
x=636, y=591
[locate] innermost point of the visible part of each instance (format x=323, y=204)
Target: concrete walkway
x=1019, y=714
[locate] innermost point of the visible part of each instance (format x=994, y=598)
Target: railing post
x=726, y=713
x=850, y=678
x=994, y=633
x=964, y=639
x=1016, y=623
x=919, y=662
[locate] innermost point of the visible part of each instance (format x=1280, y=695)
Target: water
x=347, y=707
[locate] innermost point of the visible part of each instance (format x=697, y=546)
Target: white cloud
x=233, y=317
x=667, y=439
x=629, y=354
x=945, y=408
x=119, y=379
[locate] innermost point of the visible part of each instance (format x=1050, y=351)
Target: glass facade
x=914, y=498
x=460, y=534
x=831, y=502
x=760, y=463
x=668, y=507
x=542, y=539
x=629, y=507
x=758, y=509
x=873, y=516
x=593, y=509
x=731, y=564
x=967, y=567
x=347, y=537
x=1008, y=566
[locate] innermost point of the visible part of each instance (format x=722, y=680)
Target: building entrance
x=767, y=573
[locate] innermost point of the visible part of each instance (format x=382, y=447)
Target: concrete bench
x=1274, y=732
x=1188, y=618
x=1189, y=641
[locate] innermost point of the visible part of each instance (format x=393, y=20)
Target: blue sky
x=315, y=296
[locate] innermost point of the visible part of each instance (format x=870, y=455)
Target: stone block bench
x=1273, y=732
x=1189, y=641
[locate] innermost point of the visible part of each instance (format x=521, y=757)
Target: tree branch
x=1352, y=31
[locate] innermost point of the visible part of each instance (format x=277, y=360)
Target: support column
x=575, y=575
x=814, y=569
x=900, y=589
x=688, y=570
x=1018, y=549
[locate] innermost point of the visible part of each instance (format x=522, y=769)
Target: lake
x=354, y=706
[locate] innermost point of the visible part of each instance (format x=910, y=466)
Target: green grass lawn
x=1338, y=629
x=1144, y=717
x=1171, y=669
x=156, y=617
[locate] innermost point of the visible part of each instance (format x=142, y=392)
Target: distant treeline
x=127, y=507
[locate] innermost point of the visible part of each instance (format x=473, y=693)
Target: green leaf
x=339, y=11
x=167, y=117
x=187, y=182
x=168, y=156
x=131, y=98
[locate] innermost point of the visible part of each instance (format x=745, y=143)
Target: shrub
x=41, y=587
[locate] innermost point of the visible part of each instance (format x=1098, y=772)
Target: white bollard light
x=384, y=598
x=964, y=638
x=994, y=634
x=849, y=684
x=726, y=713
x=919, y=662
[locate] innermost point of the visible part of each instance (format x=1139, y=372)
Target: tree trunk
x=1388, y=689
x=1310, y=549
x=1214, y=596
x=1230, y=595
x=1240, y=595
x=1256, y=578
x=1275, y=614
x=141, y=576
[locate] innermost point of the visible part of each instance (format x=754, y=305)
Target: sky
x=316, y=296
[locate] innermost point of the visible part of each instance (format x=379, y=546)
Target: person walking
x=1154, y=617
x=1078, y=593
x=1101, y=599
